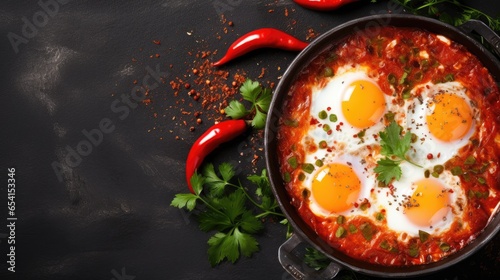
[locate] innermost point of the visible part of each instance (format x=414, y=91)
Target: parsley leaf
x=262, y=182
x=264, y=100
x=394, y=147
x=182, y=200
x=392, y=143
x=236, y=110
x=250, y=90
x=249, y=223
x=388, y=170
x=213, y=220
x=229, y=245
x=215, y=183
x=197, y=182
x=259, y=121
x=259, y=97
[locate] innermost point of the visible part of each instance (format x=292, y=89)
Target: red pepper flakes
x=255, y=158
x=262, y=73
x=157, y=42
x=311, y=34
x=204, y=54
x=174, y=85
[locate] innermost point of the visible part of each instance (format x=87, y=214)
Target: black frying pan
x=303, y=233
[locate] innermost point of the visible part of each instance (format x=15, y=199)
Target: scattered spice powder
x=203, y=91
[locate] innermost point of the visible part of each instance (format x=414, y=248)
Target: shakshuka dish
x=389, y=146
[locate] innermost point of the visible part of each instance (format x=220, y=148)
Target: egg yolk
x=449, y=117
x=335, y=187
x=363, y=104
x=428, y=204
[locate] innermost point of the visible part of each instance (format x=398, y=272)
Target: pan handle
x=485, y=31
x=293, y=263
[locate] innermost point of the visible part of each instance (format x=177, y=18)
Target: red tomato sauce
x=417, y=57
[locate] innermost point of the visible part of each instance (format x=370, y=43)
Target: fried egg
x=443, y=119
x=416, y=203
x=350, y=103
x=336, y=186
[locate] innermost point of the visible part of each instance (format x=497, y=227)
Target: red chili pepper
x=261, y=38
x=211, y=139
x=323, y=5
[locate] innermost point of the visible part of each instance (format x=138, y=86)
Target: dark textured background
x=110, y=217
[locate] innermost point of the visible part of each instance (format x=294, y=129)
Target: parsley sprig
x=434, y=8
x=394, y=148
x=259, y=97
x=223, y=206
